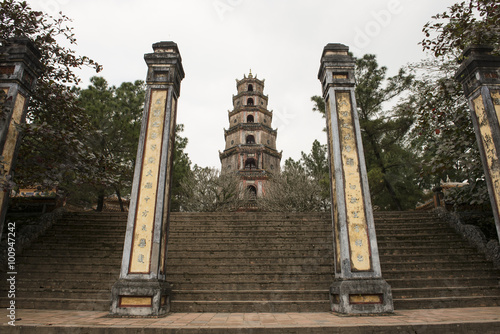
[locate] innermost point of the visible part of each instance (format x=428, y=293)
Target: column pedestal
x=141, y=298
x=361, y=296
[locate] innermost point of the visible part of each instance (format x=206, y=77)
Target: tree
x=181, y=170
x=464, y=23
x=444, y=129
x=208, y=190
x=51, y=150
x=294, y=190
x=115, y=117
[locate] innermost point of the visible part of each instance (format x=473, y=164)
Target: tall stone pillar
x=19, y=70
x=358, y=287
x=142, y=289
x=480, y=78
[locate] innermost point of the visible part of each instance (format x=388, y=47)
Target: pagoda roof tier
x=249, y=148
x=250, y=108
x=253, y=174
x=250, y=93
x=250, y=126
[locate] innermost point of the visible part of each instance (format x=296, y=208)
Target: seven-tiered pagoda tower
x=250, y=140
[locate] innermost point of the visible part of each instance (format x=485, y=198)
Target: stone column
x=480, y=78
x=19, y=70
x=142, y=289
x=358, y=287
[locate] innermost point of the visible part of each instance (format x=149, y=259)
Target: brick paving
x=40, y=319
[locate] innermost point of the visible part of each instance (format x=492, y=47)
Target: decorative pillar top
x=479, y=67
x=165, y=66
x=337, y=67
x=20, y=50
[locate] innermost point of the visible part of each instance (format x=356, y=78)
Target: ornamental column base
x=145, y=298
x=361, y=296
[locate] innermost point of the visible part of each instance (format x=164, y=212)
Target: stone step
x=251, y=268
x=235, y=277
x=62, y=293
x=250, y=306
x=59, y=303
x=409, y=258
x=431, y=265
x=258, y=285
x=54, y=283
x=446, y=302
x=397, y=283
x=440, y=273
x=423, y=250
x=454, y=291
x=255, y=295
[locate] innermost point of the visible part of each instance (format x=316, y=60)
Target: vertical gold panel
x=492, y=162
x=12, y=136
x=148, y=186
x=355, y=206
x=495, y=97
x=12, y=133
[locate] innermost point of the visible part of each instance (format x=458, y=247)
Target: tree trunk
x=100, y=201
x=122, y=209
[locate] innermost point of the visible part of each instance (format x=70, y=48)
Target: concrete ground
x=458, y=320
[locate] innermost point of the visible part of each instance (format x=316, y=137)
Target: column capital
x=478, y=67
x=337, y=67
x=165, y=66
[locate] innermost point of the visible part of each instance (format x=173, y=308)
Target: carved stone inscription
x=355, y=207
x=148, y=187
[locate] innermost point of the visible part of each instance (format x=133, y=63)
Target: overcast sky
x=281, y=41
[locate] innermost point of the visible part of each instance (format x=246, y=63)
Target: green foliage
x=115, y=118
x=181, y=170
x=301, y=185
x=51, y=150
x=445, y=131
x=293, y=190
x=464, y=23
x=208, y=190
x=444, y=134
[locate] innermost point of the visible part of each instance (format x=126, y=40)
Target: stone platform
x=449, y=320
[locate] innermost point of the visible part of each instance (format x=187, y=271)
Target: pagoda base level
x=361, y=296
x=145, y=298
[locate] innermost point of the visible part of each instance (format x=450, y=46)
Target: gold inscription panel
x=135, y=301
x=148, y=187
x=12, y=136
x=491, y=154
x=355, y=206
x=365, y=299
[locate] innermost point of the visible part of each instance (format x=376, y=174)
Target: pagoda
x=250, y=149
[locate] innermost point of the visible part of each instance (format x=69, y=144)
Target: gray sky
x=220, y=40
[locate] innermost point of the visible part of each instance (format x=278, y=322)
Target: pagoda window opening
x=250, y=139
x=250, y=163
x=250, y=88
x=250, y=119
x=250, y=102
x=252, y=191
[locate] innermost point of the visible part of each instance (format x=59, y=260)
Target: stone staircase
x=252, y=262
